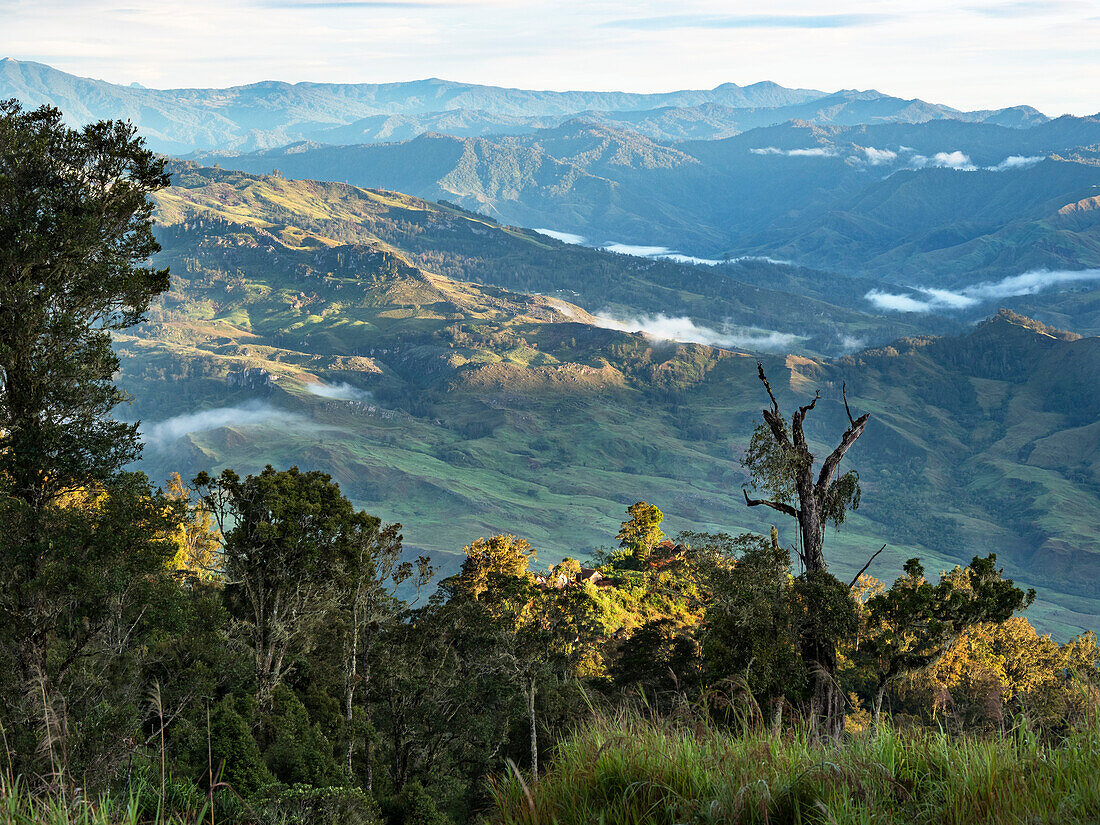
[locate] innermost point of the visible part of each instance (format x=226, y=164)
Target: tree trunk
x=878, y=703
x=349, y=694
x=534, y=732
x=827, y=702
x=777, y=715
x=368, y=753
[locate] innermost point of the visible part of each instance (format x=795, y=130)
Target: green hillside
x=463, y=410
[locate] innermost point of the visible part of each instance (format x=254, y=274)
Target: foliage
x=911, y=625
x=752, y=622
x=76, y=231
x=642, y=531
x=197, y=539
x=293, y=537
x=496, y=556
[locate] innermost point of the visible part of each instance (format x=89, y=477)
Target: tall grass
x=19, y=806
x=627, y=770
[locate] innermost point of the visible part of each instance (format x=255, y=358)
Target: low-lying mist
x=161, y=434
x=684, y=330
x=338, y=392
x=929, y=299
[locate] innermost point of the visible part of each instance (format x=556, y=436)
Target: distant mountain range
x=941, y=204
x=269, y=114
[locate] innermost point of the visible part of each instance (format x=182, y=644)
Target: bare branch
x=829, y=468
x=844, y=395
x=803, y=410
x=767, y=386
x=786, y=509
x=863, y=569
x=797, y=432
x=773, y=417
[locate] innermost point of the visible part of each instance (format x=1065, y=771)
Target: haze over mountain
x=268, y=114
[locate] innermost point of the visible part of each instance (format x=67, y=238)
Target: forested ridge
x=253, y=647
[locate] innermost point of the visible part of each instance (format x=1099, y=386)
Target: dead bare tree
x=780, y=462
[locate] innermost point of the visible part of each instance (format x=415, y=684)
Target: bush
x=309, y=805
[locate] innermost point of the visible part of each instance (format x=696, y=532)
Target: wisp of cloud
x=809, y=152
x=1028, y=283
x=685, y=331
x=877, y=157
x=160, y=434
x=338, y=392
x=564, y=237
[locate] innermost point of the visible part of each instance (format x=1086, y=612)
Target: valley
x=320, y=324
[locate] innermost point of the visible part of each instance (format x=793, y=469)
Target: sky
x=971, y=54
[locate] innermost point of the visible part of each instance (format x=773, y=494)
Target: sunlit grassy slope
x=461, y=409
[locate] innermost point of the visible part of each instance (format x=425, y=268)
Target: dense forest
x=257, y=649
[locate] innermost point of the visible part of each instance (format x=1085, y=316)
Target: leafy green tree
x=501, y=555
x=75, y=633
x=910, y=626
x=642, y=531
x=198, y=542
x=83, y=546
x=753, y=621
x=293, y=538
x=369, y=603
x=75, y=235
x=427, y=700
x=661, y=657
x=516, y=629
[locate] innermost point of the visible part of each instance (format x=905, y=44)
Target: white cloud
x=250, y=414
x=947, y=298
x=634, y=249
x=944, y=160
x=877, y=157
x=809, y=152
x=684, y=330
x=849, y=343
x=764, y=258
x=564, y=237
x=1028, y=283
x=1016, y=162
x=658, y=252
x=338, y=392
x=896, y=303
